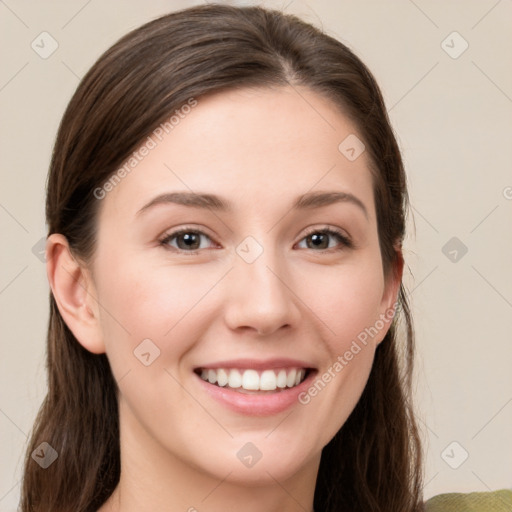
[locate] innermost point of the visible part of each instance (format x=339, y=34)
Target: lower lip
x=253, y=404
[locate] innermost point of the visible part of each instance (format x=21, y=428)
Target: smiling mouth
x=252, y=381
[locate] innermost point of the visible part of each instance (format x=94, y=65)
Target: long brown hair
x=374, y=462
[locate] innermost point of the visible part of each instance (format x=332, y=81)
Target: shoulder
x=494, y=501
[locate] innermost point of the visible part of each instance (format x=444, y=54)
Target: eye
x=318, y=238
x=187, y=240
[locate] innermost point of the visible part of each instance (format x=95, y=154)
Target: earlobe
x=73, y=290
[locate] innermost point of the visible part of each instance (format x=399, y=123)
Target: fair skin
x=260, y=150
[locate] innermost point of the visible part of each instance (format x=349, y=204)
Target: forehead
x=250, y=145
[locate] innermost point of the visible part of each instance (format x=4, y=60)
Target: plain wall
x=453, y=118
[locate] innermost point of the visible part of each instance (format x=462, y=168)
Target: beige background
x=453, y=117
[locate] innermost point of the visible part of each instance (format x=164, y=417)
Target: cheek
x=347, y=304
x=346, y=300
x=139, y=302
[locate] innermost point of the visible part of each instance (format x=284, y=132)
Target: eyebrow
x=310, y=200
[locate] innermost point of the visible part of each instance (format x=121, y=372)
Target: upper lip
x=257, y=364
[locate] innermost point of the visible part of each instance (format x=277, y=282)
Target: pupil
x=190, y=240
x=316, y=238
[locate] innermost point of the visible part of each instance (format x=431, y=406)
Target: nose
x=260, y=296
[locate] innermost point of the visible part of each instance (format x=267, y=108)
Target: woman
x=226, y=207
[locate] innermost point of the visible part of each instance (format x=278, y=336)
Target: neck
x=155, y=480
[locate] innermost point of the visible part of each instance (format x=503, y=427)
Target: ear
x=73, y=289
x=389, y=302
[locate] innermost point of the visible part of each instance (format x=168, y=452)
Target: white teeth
x=222, y=377
x=235, y=379
x=281, y=379
x=251, y=380
x=268, y=380
x=290, y=379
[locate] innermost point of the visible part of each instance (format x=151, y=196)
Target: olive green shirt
x=496, y=501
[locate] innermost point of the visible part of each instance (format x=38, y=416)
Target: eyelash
x=344, y=240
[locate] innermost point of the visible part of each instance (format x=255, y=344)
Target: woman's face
x=258, y=285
